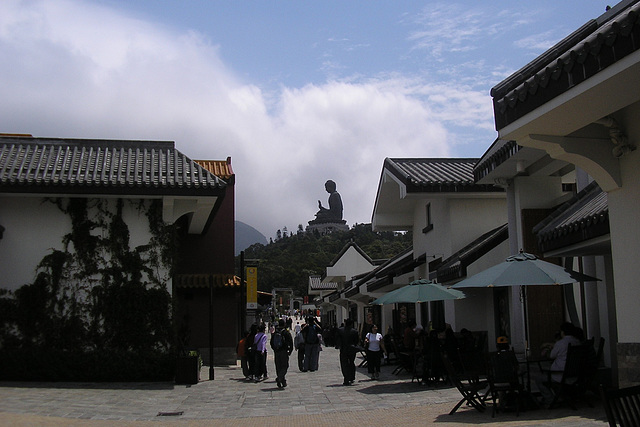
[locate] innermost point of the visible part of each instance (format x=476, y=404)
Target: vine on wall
x=97, y=293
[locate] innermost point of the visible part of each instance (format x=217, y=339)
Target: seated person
x=410, y=335
x=559, y=356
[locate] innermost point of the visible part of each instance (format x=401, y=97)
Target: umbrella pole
x=523, y=293
x=527, y=352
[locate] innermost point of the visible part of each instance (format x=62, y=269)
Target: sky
x=295, y=92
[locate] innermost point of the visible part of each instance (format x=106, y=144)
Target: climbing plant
x=96, y=294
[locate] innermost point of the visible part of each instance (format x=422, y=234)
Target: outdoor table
x=528, y=362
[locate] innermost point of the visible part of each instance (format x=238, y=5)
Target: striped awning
x=203, y=280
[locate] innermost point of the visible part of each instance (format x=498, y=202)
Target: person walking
x=298, y=343
x=243, y=350
x=250, y=351
x=311, y=345
x=260, y=354
x=375, y=346
x=282, y=346
x=347, y=342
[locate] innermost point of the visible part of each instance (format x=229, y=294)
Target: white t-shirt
x=374, y=341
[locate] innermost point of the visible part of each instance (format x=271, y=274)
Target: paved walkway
x=311, y=399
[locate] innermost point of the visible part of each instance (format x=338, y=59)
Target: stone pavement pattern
x=311, y=399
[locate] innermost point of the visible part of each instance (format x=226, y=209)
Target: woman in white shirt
x=375, y=346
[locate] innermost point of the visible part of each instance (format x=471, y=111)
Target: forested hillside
x=292, y=258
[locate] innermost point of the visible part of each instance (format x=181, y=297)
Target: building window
x=429, y=226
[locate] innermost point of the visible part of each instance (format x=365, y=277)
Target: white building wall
x=471, y=218
x=35, y=227
x=350, y=264
x=32, y=228
x=436, y=242
x=624, y=205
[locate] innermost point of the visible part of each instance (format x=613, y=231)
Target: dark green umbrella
x=419, y=291
x=523, y=270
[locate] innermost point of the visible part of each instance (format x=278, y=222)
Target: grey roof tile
x=436, y=174
x=583, y=217
x=51, y=165
x=455, y=267
x=590, y=49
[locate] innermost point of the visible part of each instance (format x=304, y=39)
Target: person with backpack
x=311, y=345
x=298, y=343
x=282, y=346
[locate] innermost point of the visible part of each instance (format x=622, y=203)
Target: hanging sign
x=252, y=287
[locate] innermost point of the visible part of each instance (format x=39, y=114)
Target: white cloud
x=81, y=70
x=537, y=42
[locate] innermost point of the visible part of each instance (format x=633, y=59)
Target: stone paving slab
x=311, y=399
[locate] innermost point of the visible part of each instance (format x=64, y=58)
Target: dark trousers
x=244, y=363
x=301, y=358
x=348, y=365
x=259, y=363
x=373, y=361
x=281, y=359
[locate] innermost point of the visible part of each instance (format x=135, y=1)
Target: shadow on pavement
x=583, y=416
x=395, y=387
x=95, y=386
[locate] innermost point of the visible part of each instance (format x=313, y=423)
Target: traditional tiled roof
x=220, y=168
x=383, y=275
x=587, y=51
x=316, y=284
x=455, y=267
x=345, y=248
x=584, y=217
x=90, y=166
x=436, y=175
x=499, y=152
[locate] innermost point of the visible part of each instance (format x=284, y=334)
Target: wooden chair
x=622, y=406
x=390, y=349
x=405, y=359
x=504, y=381
x=470, y=390
x=579, y=373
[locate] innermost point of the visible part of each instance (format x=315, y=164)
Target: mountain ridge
x=245, y=236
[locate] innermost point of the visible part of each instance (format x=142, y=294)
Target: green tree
x=288, y=262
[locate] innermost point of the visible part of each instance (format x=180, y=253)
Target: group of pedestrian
x=252, y=350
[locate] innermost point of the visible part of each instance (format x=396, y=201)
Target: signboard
x=252, y=287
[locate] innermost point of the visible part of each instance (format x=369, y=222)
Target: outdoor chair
x=504, y=380
x=470, y=390
x=622, y=406
x=363, y=354
x=579, y=373
x=418, y=366
x=389, y=345
x=473, y=364
x=405, y=360
x=433, y=370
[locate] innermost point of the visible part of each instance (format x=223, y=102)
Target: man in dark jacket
x=347, y=342
x=282, y=346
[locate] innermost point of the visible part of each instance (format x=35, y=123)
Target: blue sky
x=296, y=92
